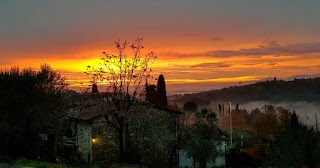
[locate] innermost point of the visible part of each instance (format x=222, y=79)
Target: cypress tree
x=94, y=88
x=161, y=92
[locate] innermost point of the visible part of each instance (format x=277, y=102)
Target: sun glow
x=231, y=79
x=187, y=68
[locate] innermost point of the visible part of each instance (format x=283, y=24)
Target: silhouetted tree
x=190, y=106
x=94, y=88
x=223, y=109
x=238, y=121
x=268, y=109
x=265, y=127
x=152, y=134
x=237, y=108
x=254, y=114
x=161, y=92
x=293, y=143
x=124, y=76
x=31, y=102
x=173, y=105
x=285, y=141
x=202, y=138
x=294, y=122
x=151, y=93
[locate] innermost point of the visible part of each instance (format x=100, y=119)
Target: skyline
x=207, y=43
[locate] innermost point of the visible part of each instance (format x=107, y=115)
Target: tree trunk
x=173, y=152
x=194, y=162
x=202, y=163
x=123, y=142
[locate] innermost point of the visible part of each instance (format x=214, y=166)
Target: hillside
x=270, y=90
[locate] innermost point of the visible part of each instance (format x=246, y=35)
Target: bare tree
x=124, y=77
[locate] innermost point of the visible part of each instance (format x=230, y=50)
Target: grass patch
x=37, y=164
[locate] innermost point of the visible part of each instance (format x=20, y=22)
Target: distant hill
x=303, y=77
x=304, y=89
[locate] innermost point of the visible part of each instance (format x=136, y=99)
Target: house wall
x=84, y=141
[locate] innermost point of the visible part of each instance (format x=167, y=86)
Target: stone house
x=78, y=126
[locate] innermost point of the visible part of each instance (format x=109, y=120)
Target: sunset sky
x=205, y=43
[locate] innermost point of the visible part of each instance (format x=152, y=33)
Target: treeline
x=275, y=136
x=31, y=104
x=270, y=90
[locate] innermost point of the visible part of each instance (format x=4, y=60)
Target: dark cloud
x=251, y=64
x=267, y=48
x=273, y=64
x=217, y=38
x=211, y=65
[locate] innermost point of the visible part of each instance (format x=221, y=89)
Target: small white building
x=78, y=132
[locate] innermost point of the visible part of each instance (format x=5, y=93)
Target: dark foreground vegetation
x=275, y=137
x=31, y=103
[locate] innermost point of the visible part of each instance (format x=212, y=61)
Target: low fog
x=305, y=110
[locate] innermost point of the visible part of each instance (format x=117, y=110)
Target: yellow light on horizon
x=231, y=79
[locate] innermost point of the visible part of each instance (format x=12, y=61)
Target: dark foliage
x=237, y=159
x=151, y=94
x=254, y=114
x=190, y=106
x=202, y=138
x=283, y=140
x=161, y=92
x=237, y=108
x=94, y=88
x=295, y=145
x=30, y=104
